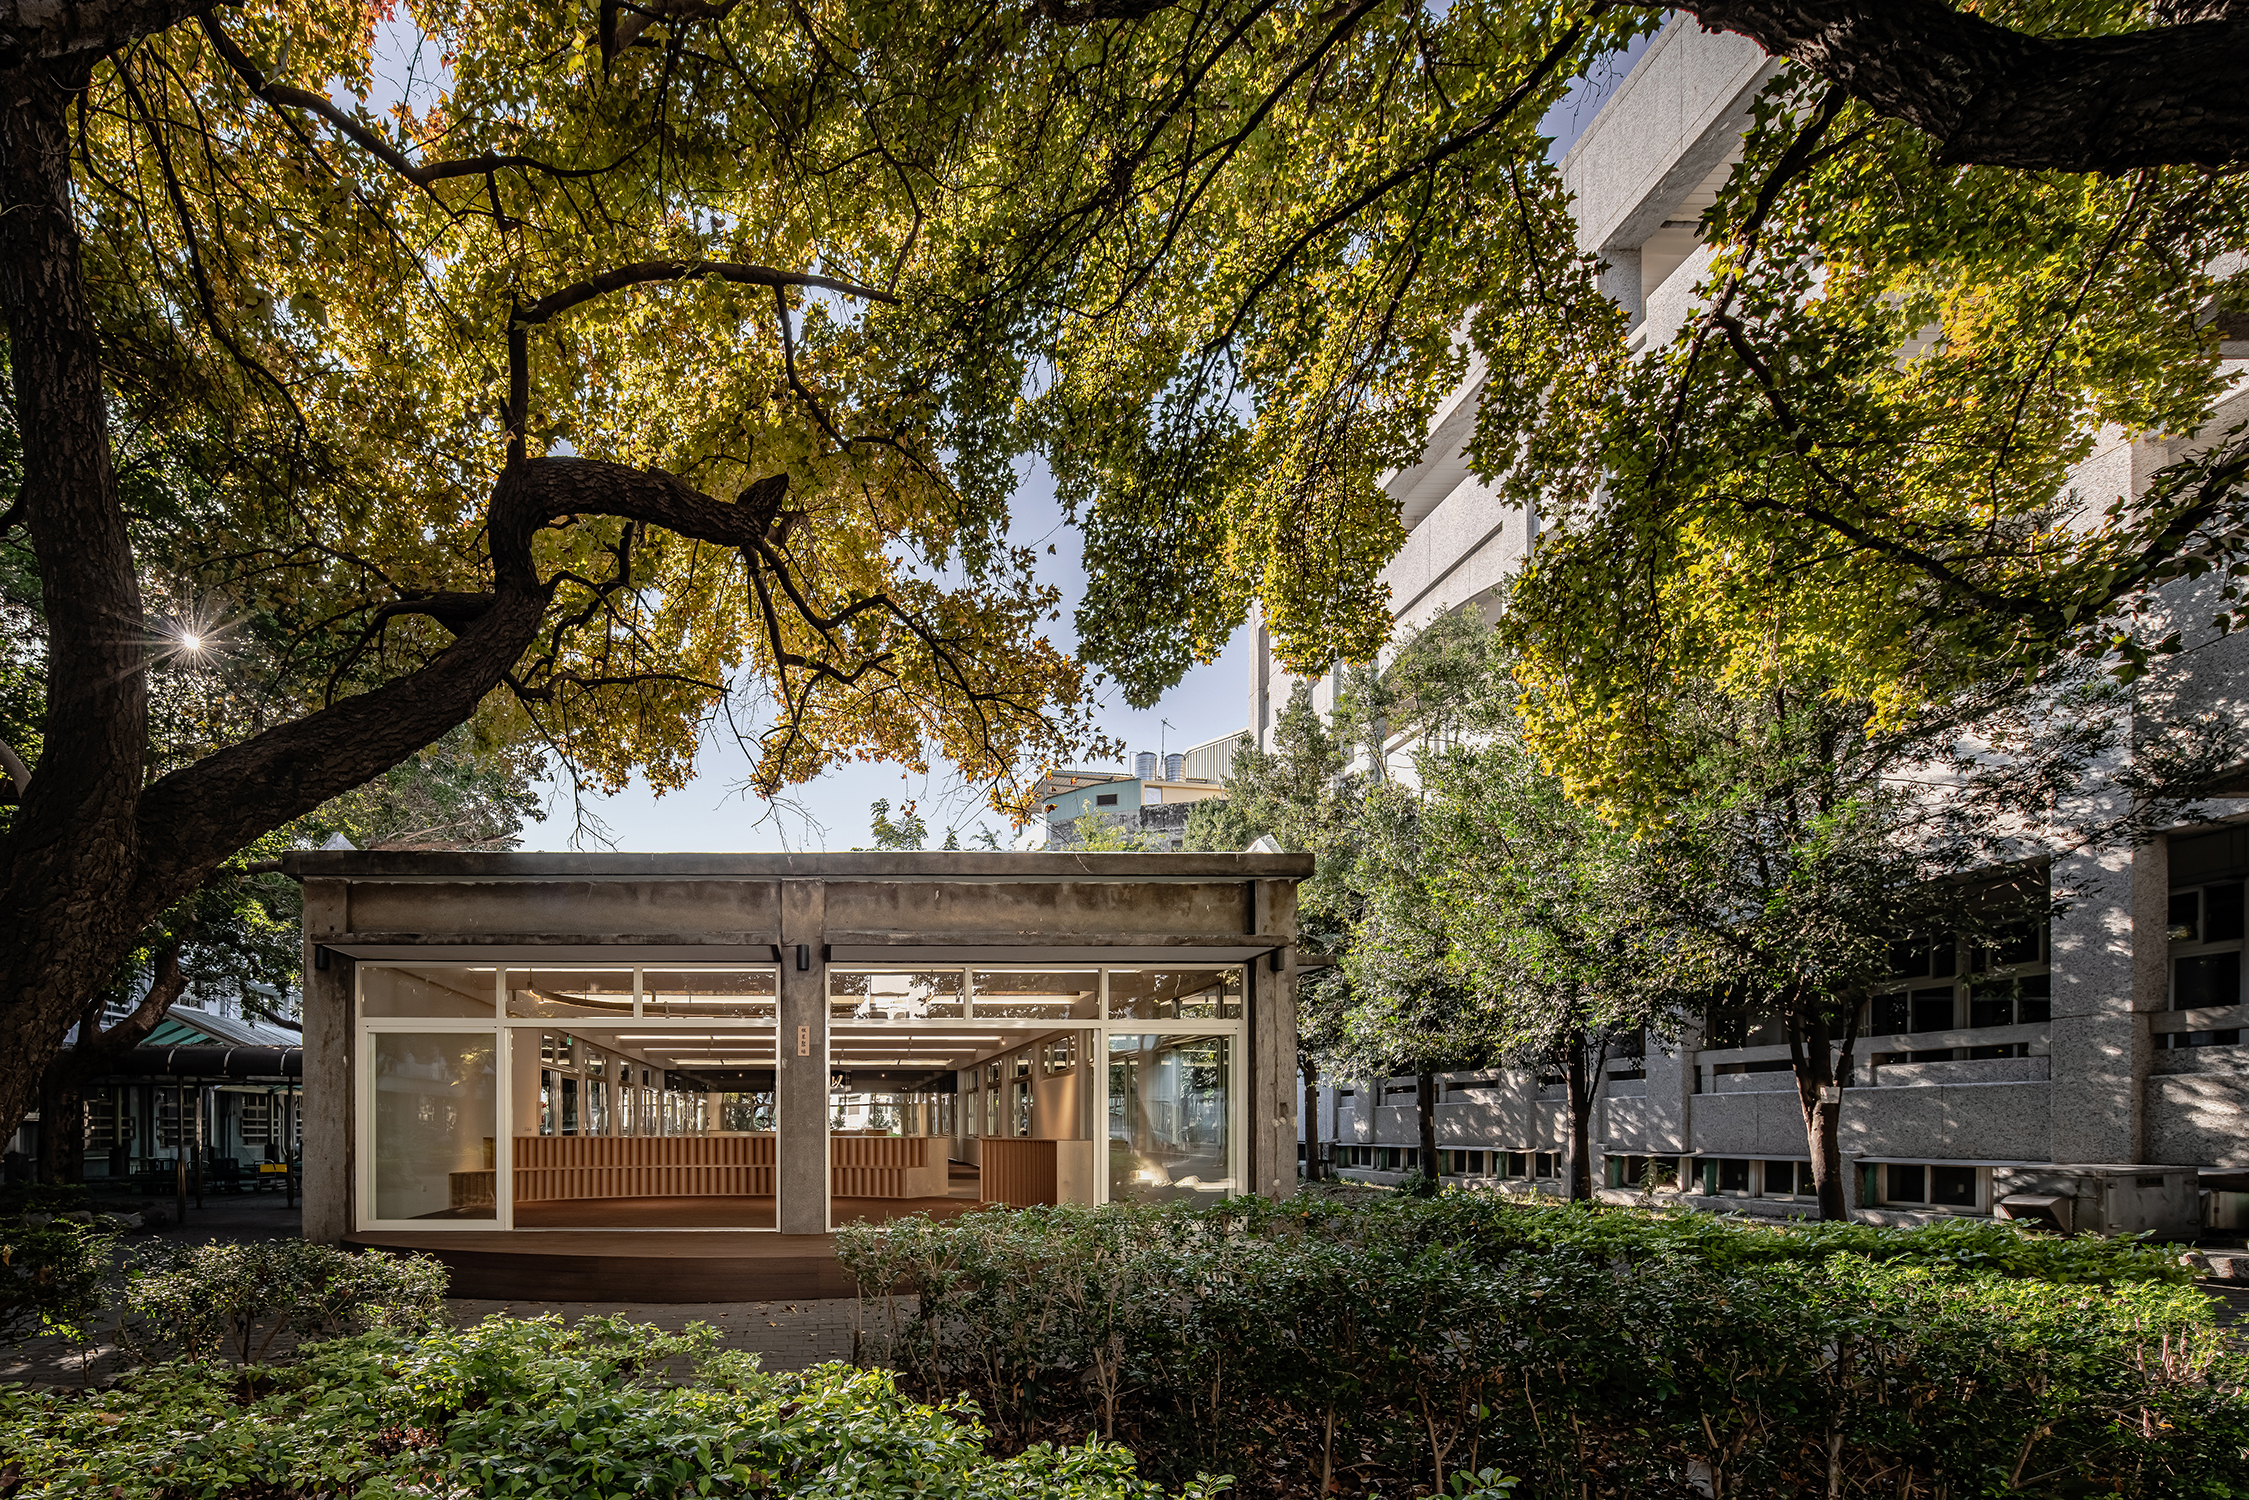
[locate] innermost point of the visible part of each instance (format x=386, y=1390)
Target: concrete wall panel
x=1670, y=122
x=592, y=911
x=2200, y=1119
x=1058, y=912
x=1768, y=1124
x=2003, y=1121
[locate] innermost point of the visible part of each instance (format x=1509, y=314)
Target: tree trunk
x=1819, y=1093
x=62, y=1125
x=2004, y=98
x=1584, y=1086
x=1311, y=1071
x=1425, y=1104
x=71, y=853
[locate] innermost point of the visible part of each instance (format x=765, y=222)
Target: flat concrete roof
x=380, y=864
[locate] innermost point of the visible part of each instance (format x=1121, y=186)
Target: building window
x=2227, y=1037
x=1548, y=1164
x=2206, y=937
x=1788, y=1179
x=2006, y=985
x=1733, y=1178
x=1932, y=1185
x=1105, y=799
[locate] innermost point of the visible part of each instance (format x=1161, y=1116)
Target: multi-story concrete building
x=2107, y=1092
x=1151, y=802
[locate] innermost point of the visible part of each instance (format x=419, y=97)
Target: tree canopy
x=605, y=373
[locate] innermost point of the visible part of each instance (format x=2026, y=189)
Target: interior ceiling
x=944, y=1047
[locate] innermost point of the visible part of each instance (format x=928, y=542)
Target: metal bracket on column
x=804, y=957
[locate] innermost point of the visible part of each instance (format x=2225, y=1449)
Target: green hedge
x=525, y=1408
x=1312, y=1346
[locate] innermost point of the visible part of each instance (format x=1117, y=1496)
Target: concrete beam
x=384, y=865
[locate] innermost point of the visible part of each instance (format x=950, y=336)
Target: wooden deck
x=604, y=1257
x=608, y=1265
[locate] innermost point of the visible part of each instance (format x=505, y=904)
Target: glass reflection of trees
x=1168, y=1117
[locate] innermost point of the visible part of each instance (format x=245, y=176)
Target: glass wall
x=1170, y=1117
x=622, y=1096
x=435, y=1104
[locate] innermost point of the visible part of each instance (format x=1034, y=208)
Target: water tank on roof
x=1172, y=765
x=1144, y=765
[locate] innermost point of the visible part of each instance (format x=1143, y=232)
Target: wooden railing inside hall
x=886, y=1166
x=1023, y=1173
x=550, y=1167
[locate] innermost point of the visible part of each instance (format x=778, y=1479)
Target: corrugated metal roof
x=188, y=1027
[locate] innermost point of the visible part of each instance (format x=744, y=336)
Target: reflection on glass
x=901, y=1112
x=894, y=994
x=1044, y=995
x=570, y=992
x=434, y=1119
x=1168, y=1118
x=743, y=1111
x=1175, y=994
x=425, y=990
x=708, y=992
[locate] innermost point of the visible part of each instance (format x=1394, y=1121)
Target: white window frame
x=1100, y=1027
x=504, y=1028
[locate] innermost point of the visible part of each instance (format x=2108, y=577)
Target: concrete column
x=801, y=1078
x=1621, y=282
x=1273, y=1081
x=330, y=1144
x=2151, y=974
x=2104, y=983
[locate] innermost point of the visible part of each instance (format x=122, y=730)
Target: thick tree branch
x=421, y=174
x=640, y=273
x=49, y=30
x=1995, y=97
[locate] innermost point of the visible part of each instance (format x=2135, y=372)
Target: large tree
x=626, y=365
x=605, y=378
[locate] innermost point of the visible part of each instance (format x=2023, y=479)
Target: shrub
x=528, y=1408
x=201, y=1302
x=1389, y=1348
x=53, y=1276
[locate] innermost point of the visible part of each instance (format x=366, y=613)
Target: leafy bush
x=200, y=1302
x=528, y=1408
x=53, y=1276
x=1398, y=1346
